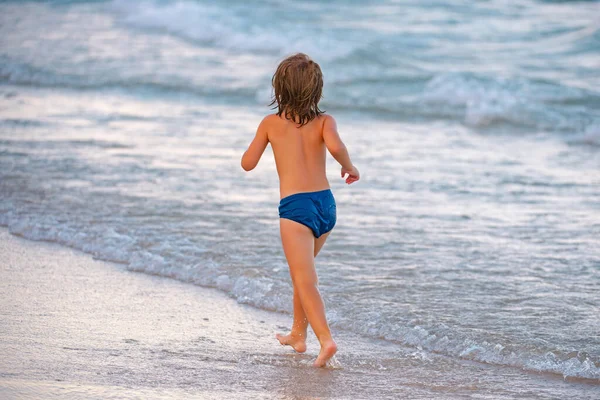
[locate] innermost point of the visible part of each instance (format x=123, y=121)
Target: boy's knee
x=306, y=283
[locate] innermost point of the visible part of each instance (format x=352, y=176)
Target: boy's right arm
x=338, y=149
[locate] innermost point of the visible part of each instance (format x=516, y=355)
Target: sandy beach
x=75, y=327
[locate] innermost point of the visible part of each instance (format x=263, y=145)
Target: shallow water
x=144, y=336
x=474, y=232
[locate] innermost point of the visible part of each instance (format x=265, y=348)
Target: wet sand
x=75, y=327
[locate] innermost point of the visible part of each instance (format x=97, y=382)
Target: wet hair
x=298, y=87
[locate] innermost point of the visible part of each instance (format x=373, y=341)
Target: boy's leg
x=299, y=246
x=319, y=242
x=297, y=337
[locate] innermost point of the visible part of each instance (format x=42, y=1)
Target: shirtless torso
x=299, y=154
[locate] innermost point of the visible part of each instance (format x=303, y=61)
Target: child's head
x=298, y=84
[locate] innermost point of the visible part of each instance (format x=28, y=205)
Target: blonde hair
x=298, y=85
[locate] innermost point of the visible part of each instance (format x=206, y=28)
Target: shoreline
x=75, y=326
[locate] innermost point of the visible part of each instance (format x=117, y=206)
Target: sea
x=474, y=232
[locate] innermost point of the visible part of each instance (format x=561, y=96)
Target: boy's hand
x=353, y=174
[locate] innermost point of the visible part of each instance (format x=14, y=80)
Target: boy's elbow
x=337, y=149
x=246, y=165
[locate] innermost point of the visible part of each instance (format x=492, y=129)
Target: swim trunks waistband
x=301, y=194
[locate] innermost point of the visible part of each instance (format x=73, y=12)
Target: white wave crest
x=224, y=28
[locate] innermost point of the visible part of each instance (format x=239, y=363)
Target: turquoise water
x=474, y=232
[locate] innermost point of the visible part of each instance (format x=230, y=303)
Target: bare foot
x=328, y=349
x=297, y=342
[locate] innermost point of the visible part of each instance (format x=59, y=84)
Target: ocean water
x=474, y=233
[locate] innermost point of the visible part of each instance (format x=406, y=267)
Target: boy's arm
x=338, y=149
x=256, y=149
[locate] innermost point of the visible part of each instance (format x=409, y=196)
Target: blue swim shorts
x=316, y=210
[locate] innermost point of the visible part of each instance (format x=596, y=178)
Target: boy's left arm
x=256, y=149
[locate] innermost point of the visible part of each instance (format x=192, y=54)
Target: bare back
x=300, y=152
x=300, y=155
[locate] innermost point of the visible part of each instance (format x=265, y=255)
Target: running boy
x=299, y=133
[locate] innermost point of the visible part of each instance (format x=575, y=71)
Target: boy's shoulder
x=270, y=119
x=329, y=122
x=273, y=116
x=327, y=118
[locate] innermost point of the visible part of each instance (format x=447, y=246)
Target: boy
x=299, y=133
